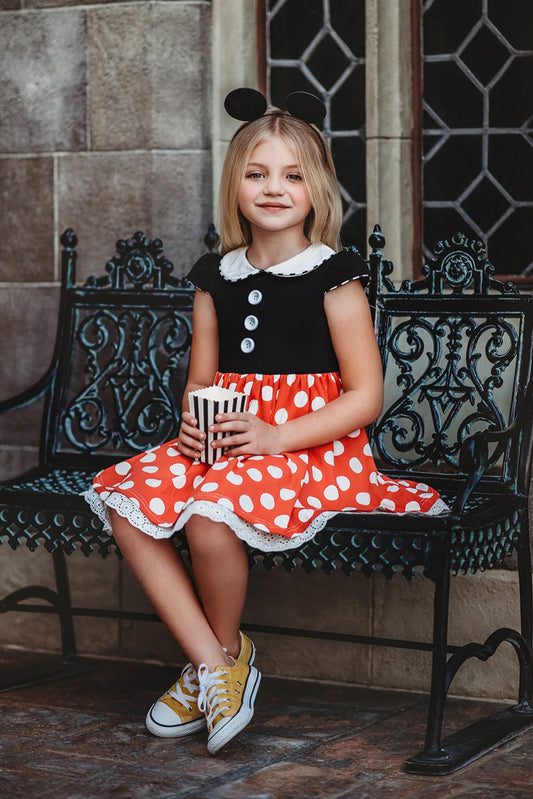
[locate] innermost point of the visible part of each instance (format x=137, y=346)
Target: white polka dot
x=291, y=379
x=104, y=494
x=305, y=478
x=172, y=452
x=153, y=483
x=363, y=498
x=304, y=457
x=227, y=503
x=197, y=480
x=235, y=479
x=287, y=493
x=253, y=407
x=422, y=486
x=329, y=457
x=254, y=475
x=305, y=515
x=267, y=501
x=393, y=488
x=367, y=450
x=354, y=433
x=338, y=447
x=262, y=527
x=426, y=495
x=122, y=468
x=220, y=464
x=388, y=504
x=157, y=506
x=151, y=469
x=267, y=393
x=248, y=389
x=301, y=399
x=411, y=507
x=314, y=502
x=148, y=458
x=317, y=403
x=298, y=504
x=275, y=471
x=403, y=483
x=282, y=521
x=356, y=465
x=343, y=483
x=254, y=458
x=206, y=487
x=246, y=503
x=179, y=482
x=310, y=380
x=331, y=493
x=178, y=506
x=317, y=474
x=373, y=478
x=127, y=484
x=281, y=416
x=175, y=468
x=292, y=466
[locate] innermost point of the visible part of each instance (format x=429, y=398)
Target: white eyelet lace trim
x=266, y=542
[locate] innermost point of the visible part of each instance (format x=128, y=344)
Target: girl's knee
x=206, y=536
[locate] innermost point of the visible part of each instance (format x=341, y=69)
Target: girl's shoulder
x=344, y=266
x=205, y=271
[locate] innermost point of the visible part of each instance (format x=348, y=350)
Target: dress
x=276, y=348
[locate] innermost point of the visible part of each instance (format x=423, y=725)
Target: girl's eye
x=294, y=177
x=254, y=175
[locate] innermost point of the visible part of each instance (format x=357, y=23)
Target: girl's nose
x=273, y=185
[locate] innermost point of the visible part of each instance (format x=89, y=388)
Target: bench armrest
x=474, y=458
x=30, y=395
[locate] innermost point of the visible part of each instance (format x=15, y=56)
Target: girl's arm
x=202, y=369
x=352, y=333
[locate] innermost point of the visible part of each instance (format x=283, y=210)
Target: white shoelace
x=210, y=697
x=189, y=676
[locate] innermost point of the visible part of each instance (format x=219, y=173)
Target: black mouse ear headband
x=247, y=105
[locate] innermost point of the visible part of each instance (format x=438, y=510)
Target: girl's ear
x=245, y=104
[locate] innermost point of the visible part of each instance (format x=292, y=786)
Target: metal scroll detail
x=133, y=359
x=445, y=390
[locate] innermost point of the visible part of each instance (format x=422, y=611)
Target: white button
x=251, y=322
x=255, y=297
x=247, y=344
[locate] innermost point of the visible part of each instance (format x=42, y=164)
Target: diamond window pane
x=477, y=125
x=318, y=46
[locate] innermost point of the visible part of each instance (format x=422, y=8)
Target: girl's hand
x=190, y=439
x=245, y=434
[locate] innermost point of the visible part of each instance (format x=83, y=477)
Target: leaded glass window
x=319, y=46
x=478, y=125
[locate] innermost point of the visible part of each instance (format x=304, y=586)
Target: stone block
x=104, y=197
x=479, y=604
x=42, y=82
x=314, y=601
x=27, y=213
x=95, y=583
x=29, y=320
x=16, y=460
x=150, y=71
x=181, y=205
x=107, y=196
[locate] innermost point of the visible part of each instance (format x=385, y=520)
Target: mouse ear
x=305, y=106
x=245, y=104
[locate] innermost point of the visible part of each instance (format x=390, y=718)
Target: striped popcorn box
x=204, y=404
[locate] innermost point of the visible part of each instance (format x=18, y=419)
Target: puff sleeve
x=343, y=267
x=205, y=271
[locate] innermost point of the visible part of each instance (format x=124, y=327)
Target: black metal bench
x=457, y=355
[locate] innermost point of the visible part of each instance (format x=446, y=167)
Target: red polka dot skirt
x=273, y=502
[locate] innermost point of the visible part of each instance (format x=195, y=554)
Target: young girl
x=282, y=317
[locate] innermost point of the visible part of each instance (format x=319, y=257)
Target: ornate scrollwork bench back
x=457, y=357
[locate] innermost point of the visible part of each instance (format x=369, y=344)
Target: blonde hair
x=323, y=224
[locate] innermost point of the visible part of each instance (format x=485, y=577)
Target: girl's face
x=273, y=195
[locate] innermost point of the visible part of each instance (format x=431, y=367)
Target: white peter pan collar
x=236, y=266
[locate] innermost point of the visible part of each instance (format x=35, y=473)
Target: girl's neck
x=269, y=248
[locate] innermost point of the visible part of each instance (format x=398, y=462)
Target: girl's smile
x=273, y=195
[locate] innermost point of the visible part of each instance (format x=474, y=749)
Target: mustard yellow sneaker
x=227, y=697
x=176, y=712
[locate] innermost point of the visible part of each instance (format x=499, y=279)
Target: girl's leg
x=164, y=578
x=220, y=566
